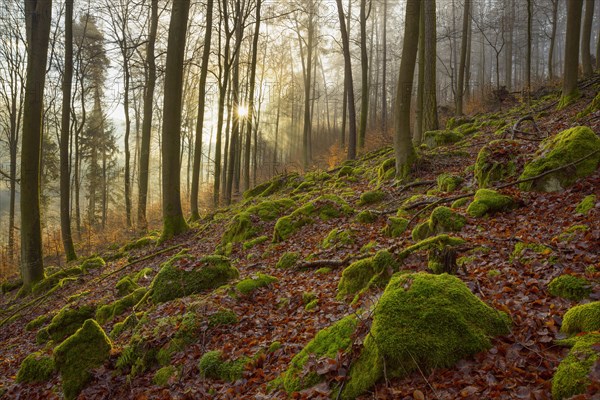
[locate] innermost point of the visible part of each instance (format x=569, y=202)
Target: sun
x=242, y=111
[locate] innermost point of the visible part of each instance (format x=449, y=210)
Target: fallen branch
x=515, y=128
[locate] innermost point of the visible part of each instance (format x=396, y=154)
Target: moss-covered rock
x=223, y=316
x=459, y=203
x=448, y=182
x=498, y=161
x=213, y=365
x=572, y=376
x=337, y=237
x=37, y=322
x=183, y=275
x=324, y=207
x=144, y=241
x=36, y=367
x=523, y=251
x=163, y=376
x=570, y=287
x=288, y=260
x=326, y=343
x=126, y=285
x=65, y=323
x=371, y=197
x=560, y=150
x=270, y=210
x=94, y=262
x=439, y=138
x=423, y=321
x=346, y=170
x=255, y=242
x=488, y=201
x=107, y=312
x=582, y=318
x=442, y=220
x=359, y=274
x=395, y=227
x=54, y=279
x=586, y=204
x=85, y=350
x=366, y=217
x=455, y=122
x=435, y=242
x=240, y=228
x=386, y=170
x=249, y=285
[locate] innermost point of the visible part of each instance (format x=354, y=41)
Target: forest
x=300, y=199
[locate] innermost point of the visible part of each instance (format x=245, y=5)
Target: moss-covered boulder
x=448, y=182
x=439, y=138
x=324, y=207
x=582, y=318
x=570, y=287
x=442, y=220
x=107, y=312
x=488, y=201
x=395, y=227
x=455, y=122
x=288, y=259
x=572, y=376
x=366, y=217
x=85, y=350
x=326, y=343
x=371, y=197
x=337, y=237
x=223, y=316
x=423, y=321
x=386, y=170
x=527, y=252
x=359, y=274
x=249, y=285
x=93, y=262
x=560, y=150
x=148, y=240
x=36, y=367
x=126, y=285
x=164, y=375
x=214, y=365
x=184, y=274
x=53, y=280
x=65, y=323
x=498, y=161
x=586, y=204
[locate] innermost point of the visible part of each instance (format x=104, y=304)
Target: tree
x=554, y=23
x=364, y=65
x=348, y=83
x=200, y=117
x=463, y=58
x=403, y=147
x=569, y=89
x=38, y=15
x=586, y=34
x=173, y=221
x=529, y=45
x=430, y=116
x=65, y=176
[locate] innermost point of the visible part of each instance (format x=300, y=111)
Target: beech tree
x=569, y=89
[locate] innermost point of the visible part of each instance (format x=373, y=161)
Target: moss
x=93, y=263
x=489, y=201
x=52, y=280
x=586, y=204
x=126, y=285
x=572, y=376
x=337, y=237
x=448, y=183
x=471, y=128
x=65, y=323
x=455, y=122
x=10, y=285
x=366, y=217
x=273, y=347
x=359, y=274
x=387, y=169
x=435, y=242
x=222, y=317
x=567, y=100
x=249, y=285
x=142, y=242
x=323, y=271
x=88, y=348
x=326, y=343
x=255, y=242
x=36, y=367
x=183, y=275
x=439, y=138
x=163, y=376
x=395, y=227
x=109, y=311
x=460, y=203
x=312, y=305
x=522, y=249
x=371, y=197
x=570, y=287
x=270, y=210
x=493, y=273
x=571, y=232
x=128, y=323
x=442, y=220
x=346, y=170
x=307, y=297
x=213, y=365
x=257, y=190
x=288, y=260
x=239, y=229
x=37, y=322
x=582, y=318
x=592, y=107
x=562, y=149
x=422, y=322
x=369, y=247
x=497, y=162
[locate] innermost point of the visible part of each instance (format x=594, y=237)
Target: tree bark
x=460, y=88
x=418, y=133
x=403, y=147
x=384, y=73
x=173, y=221
x=552, y=40
x=430, y=115
x=364, y=61
x=586, y=58
x=38, y=15
x=569, y=89
x=529, y=45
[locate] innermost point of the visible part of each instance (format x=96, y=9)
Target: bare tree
x=569, y=90
x=586, y=34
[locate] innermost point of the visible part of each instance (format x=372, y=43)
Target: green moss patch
x=366, y=217
x=222, y=317
x=213, y=365
x=126, y=285
x=488, y=201
x=359, y=274
x=255, y=242
x=249, y=285
x=572, y=376
x=570, y=287
x=109, y=311
x=94, y=262
x=86, y=349
x=448, y=182
x=371, y=197
x=37, y=322
x=326, y=343
x=163, y=376
x=36, y=367
x=337, y=237
x=423, y=321
x=498, y=161
x=582, y=318
x=586, y=204
x=442, y=220
x=525, y=252
x=65, y=323
x=560, y=150
x=149, y=240
x=431, y=243
x=54, y=279
x=439, y=138
x=395, y=227
x=288, y=260
x=183, y=275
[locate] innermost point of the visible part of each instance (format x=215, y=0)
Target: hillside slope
x=290, y=241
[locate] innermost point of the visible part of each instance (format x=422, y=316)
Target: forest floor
x=520, y=365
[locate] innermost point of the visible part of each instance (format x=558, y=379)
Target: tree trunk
x=173, y=221
x=430, y=115
x=147, y=121
x=200, y=117
x=384, y=73
x=348, y=83
x=460, y=88
x=307, y=82
x=586, y=57
x=65, y=176
x=403, y=147
x=364, y=61
x=508, y=61
x=529, y=46
x=569, y=89
x=552, y=39
x=38, y=15
x=418, y=133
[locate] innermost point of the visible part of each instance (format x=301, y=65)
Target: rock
x=497, y=162
x=582, y=318
x=359, y=274
x=442, y=220
x=439, y=138
x=570, y=287
x=488, y=202
x=36, y=367
x=573, y=373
